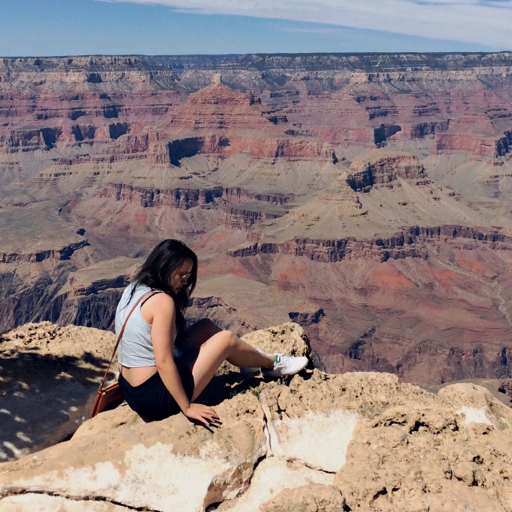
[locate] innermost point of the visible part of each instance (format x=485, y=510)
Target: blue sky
x=81, y=27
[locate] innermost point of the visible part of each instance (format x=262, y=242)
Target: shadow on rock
x=49, y=376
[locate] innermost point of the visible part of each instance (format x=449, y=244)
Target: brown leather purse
x=109, y=397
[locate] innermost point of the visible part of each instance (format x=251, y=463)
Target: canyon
x=365, y=197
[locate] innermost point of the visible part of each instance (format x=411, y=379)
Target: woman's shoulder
x=159, y=304
x=132, y=292
x=160, y=297
x=135, y=290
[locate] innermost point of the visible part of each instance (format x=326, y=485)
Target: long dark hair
x=156, y=272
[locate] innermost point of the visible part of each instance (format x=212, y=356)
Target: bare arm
x=163, y=314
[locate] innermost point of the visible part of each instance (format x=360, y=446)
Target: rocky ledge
x=359, y=441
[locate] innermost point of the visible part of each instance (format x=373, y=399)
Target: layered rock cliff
x=373, y=188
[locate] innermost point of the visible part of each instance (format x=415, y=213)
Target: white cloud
x=487, y=22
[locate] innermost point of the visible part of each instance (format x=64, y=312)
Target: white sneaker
x=285, y=365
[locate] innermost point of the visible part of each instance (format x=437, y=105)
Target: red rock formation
x=63, y=253
x=464, y=142
x=240, y=125
x=243, y=216
x=262, y=173
x=218, y=107
x=409, y=244
x=378, y=170
x=181, y=198
x=237, y=194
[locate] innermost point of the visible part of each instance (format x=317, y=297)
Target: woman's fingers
x=203, y=414
x=212, y=417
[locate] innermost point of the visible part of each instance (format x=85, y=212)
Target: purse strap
x=146, y=295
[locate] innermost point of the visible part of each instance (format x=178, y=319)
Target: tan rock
x=288, y=338
x=332, y=405
x=317, y=442
x=108, y=420
x=48, y=379
x=425, y=458
x=271, y=477
x=477, y=404
x=44, y=503
x=295, y=439
x=367, y=393
x=44, y=365
x=308, y=498
x=168, y=465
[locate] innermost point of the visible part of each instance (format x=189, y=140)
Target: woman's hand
x=203, y=414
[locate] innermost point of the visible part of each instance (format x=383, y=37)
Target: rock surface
x=384, y=445
x=49, y=375
x=409, y=451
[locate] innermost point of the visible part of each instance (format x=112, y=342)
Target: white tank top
x=135, y=348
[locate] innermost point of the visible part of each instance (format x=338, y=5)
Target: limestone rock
x=44, y=365
x=43, y=503
x=108, y=420
x=477, y=404
x=48, y=379
x=308, y=498
x=168, y=465
x=288, y=338
x=412, y=458
x=270, y=478
x=317, y=442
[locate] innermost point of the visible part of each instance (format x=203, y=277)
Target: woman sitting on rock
x=155, y=382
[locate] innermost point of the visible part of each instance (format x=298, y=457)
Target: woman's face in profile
x=179, y=276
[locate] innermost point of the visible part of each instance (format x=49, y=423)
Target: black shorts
x=151, y=399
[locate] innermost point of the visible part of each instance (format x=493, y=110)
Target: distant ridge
x=300, y=61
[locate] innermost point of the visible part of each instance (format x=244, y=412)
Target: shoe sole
x=270, y=375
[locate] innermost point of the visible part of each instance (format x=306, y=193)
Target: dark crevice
x=417, y=426
x=94, y=78
x=185, y=148
x=117, y=129
x=382, y=492
x=306, y=465
x=20, y=492
x=214, y=506
x=50, y=136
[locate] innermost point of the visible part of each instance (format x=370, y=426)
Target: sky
x=180, y=27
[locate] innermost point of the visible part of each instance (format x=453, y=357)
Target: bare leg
x=224, y=345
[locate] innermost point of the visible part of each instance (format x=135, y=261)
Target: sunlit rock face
x=365, y=197
x=314, y=442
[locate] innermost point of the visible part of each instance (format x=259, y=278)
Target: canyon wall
x=373, y=189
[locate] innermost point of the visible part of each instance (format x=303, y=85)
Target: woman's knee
x=228, y=339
